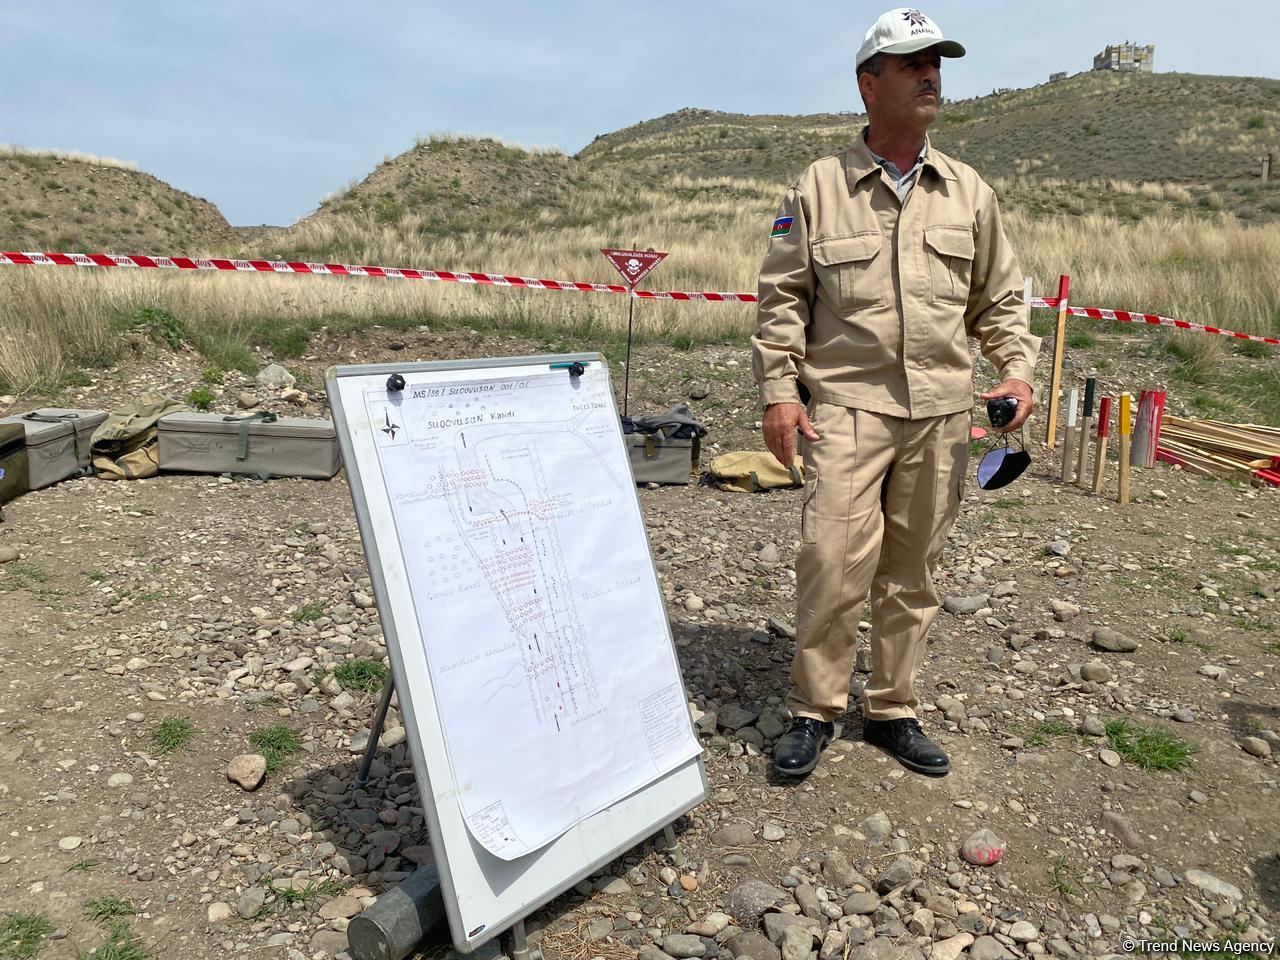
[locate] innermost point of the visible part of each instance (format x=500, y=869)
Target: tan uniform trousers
x=880, y=494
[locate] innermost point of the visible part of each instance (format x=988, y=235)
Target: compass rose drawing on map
x=391, y=428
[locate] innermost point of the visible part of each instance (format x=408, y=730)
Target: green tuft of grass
x=366, y=675
x=225, y=350
x=21, y=935
x=284, y=339
x=82, y=866
x=119, y=945
x=1080, y=341
x=108, y=908
x=295, y=896
x=15, y=576
x=172, y=734
x=276, y=743
x=1272, y=647
x=308, y=613
x=1060, y=876
x=1046, y=731
x=1151, y=748
x=159, y=324
x=683, y=342
x=214, y=375
x=201, y=398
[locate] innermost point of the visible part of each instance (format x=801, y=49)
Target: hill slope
x=446, y=186
x=1189, y=131
x=52, y=202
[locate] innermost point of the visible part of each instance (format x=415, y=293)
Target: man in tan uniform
x=882, y=261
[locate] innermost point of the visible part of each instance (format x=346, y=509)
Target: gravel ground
x=240, y=607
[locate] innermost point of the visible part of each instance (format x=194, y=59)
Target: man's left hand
x=1013, y=388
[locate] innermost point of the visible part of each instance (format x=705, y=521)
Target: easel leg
x=520, y=949
x=375, y=731
x=669, y=835
x=670, y=846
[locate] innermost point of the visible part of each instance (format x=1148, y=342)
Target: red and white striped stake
x=1146, y=437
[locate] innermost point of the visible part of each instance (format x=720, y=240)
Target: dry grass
x=13, y=150
x=53, y=320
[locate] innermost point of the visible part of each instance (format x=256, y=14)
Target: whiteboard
x=531, y=653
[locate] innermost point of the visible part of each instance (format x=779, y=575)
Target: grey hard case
x=256, y=444
x=58, y=443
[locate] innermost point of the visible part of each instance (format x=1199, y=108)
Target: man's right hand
x=781, y=421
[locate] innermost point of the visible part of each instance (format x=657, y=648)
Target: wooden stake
x=1100, y=443
x=1069, y=438
x=1059, y=344
x=1037, y=393
x=1126, y=428
x=1086, y=428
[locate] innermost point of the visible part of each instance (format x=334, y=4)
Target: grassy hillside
x=66, y=202
x=445, y=186
x=1087, y=143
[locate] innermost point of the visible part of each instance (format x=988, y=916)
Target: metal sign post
x=634, y=265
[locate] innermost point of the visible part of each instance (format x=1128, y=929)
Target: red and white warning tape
x=295, y=266
x=1126, y=316
x=350, y=270
x=501, y=280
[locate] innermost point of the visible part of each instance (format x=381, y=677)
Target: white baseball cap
x=905, y=30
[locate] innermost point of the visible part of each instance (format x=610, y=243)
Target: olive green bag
x=664, y=447
x=125, y=445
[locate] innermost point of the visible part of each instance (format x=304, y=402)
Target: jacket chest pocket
x=851, y=269
x=949, y=252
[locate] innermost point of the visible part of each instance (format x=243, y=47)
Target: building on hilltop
x=1055, y=77
x=1127, y=57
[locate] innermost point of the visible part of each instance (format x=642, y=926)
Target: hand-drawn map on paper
x=539, y=608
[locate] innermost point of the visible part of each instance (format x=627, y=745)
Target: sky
x=266, y=108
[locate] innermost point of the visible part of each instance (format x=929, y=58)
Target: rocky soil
x=240, y=607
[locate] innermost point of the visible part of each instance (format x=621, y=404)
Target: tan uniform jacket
x=868, y=299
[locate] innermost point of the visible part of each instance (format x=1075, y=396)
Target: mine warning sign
x=634, y=265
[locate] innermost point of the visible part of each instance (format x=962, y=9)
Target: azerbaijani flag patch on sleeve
x=781, y=227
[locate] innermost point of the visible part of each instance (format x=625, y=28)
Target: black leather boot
x=907, y=742
x=796, y=752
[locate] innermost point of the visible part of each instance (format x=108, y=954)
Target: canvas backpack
x=125, y=445
x=750, y=471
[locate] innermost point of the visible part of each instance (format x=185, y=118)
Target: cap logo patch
x=781, y=227
x=919, y=23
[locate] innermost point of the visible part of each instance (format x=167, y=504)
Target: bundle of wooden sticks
x=1212, y=448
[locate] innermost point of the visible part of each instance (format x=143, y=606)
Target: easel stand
x=402, y=918
x=375, y=732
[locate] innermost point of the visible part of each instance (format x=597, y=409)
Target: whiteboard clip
x=576, y=368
